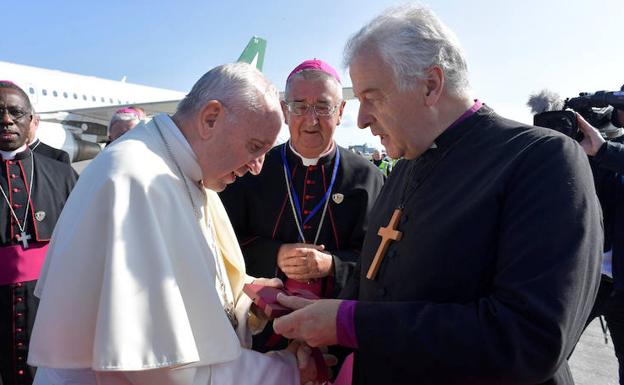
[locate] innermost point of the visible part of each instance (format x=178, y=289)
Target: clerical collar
x=9, y=155
x=312, y=161
x=180, y=147
x=454, y=131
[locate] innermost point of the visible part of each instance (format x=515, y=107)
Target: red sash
x=20, y=265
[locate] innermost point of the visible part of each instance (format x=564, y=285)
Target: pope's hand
x=308, y=372
x=303, y=261
x=592, y=139
x=314, y=321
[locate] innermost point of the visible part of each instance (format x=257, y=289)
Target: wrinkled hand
x=592, y=140
x=303, y=261
x=271, y=282
x=305, y=362
x=314, y=322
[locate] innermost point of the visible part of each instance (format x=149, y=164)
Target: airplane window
x=84, y=97
x=75, y=95
x=55, y=93
x=44, y=92
x=103, y=100
x=111, y=100
x=65, y=95
x=93, y=98
x=118, y=101
x=31, y=90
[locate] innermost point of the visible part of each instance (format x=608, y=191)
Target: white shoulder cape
x=125, y=286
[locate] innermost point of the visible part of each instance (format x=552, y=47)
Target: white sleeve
x=253, y=368
x=250, y=368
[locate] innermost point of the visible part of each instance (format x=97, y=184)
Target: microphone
x=544, y=101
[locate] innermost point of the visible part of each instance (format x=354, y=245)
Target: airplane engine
x=58, y=136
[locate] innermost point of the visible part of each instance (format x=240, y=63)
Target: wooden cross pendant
x=23, y=237
x=388, y=234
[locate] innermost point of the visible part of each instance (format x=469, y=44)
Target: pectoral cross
x=388, y=234
x=23, y=237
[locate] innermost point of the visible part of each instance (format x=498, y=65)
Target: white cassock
x=129, y=287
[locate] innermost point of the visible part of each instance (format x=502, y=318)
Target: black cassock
x=263, y=219
x=49, y=151
x=498, y=265
x=52, y=183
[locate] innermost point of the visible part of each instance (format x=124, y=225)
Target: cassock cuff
x=345, y=324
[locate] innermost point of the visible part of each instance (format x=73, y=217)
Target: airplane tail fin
x=254, y=52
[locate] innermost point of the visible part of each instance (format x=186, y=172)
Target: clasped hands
x=304, y=261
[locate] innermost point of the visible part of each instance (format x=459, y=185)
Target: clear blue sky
x=514, y=48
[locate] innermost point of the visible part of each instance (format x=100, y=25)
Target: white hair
x=411, y=39
x=237, y=86
x=122, y=116
x=313, y=74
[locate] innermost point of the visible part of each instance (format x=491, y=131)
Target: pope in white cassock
x=143, y=279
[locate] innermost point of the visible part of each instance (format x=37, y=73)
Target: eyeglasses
x=302, y=108
x=14, y=113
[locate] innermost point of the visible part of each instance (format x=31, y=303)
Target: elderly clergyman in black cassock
x=303, y=219
x=482, y=256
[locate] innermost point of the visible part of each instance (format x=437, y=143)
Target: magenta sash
x=314, y=287
x=20, y=265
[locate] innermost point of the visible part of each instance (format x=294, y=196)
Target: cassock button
x=19, y=299
x=20, y=372
x=17, y=205
x=392, y=253
x=18, y=330
x=16, y=190
x=306, y=212
x=20, y=344
x=310, y=181
x=13, y=176
x=19, y=284
x=382, y=291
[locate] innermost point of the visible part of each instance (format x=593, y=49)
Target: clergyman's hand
x=313, y=321
x=592, y=140
x=302, y=261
